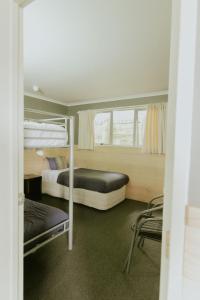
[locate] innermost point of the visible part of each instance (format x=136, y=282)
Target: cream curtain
x=155, y=129
x=86, y=130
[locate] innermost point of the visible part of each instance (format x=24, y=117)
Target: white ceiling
x=86, y=50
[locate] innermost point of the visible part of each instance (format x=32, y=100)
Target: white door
x=185, y=21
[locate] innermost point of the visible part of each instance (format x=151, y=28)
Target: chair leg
x=141, y=242
x=131, y=251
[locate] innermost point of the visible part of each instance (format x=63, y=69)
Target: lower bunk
x=42, y=224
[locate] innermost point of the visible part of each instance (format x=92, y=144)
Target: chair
x=148, y=225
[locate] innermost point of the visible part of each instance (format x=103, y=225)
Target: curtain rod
x=122, y=108
x=138, y=106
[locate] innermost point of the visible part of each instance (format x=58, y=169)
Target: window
x=120, y=127
x=123, y=127
x=141, y=117
x=102, y=128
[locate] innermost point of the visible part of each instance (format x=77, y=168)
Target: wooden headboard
x=34, y=164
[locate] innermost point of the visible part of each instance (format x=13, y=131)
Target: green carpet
x=93, y=269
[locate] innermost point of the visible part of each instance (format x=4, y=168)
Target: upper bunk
x=45, y=129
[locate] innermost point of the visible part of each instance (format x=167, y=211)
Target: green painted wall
x=33, y=103
x=72, y=110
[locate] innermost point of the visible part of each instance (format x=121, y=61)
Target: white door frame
x=180, y=107
x=20, y=120
x=19, y=88
x=177, y=162
x=11, y=129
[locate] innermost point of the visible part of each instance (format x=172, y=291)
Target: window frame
x=111, y=127
x=135, y=110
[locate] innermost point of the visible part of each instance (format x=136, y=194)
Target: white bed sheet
x=38, y=135
x=50, y=185
x=52, y=175
x=101, y=201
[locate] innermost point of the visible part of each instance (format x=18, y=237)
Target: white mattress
x=39, y=135
x=93, y=199
x=50, y=185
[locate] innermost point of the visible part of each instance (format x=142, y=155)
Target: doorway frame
x=185, y=20
x=18, y=6
x=174, y=209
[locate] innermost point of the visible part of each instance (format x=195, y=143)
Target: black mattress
x=40, y=217
x=94, y=180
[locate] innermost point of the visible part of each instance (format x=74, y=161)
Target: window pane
x=123, y=124
x=102, y=128
x=140, y=127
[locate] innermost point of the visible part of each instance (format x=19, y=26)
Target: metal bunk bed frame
x=68, y=224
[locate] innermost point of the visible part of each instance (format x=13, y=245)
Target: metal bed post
x=71, y=180
x=67, y=225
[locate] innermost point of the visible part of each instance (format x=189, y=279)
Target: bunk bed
x=43, y=223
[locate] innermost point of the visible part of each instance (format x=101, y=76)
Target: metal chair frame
x=143, y=219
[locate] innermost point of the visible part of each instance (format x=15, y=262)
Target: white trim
x=23, y=3
x=11, y=285
x=40, y=97
x=180, y=106
x=132, y=107
x=170, y=140
x=183, y=134
x=20, y=153
x=110, y=109
x=129, y=97
x=92, y=101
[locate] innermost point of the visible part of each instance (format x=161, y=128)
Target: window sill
x=119, y=149
x=117, y=146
